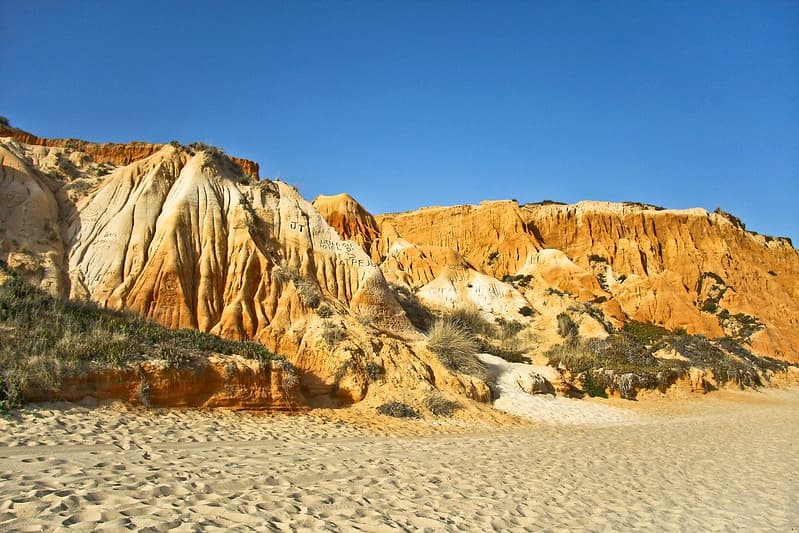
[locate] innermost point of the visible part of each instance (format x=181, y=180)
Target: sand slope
x=719, y=465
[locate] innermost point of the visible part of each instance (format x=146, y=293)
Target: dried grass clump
x=332, y=333
x=470, y=318
x=418, y=314
x=291, y=377
x=566, y=326
x=325, y=310
x=367, y=314
x=456, y=348
x=309, y=293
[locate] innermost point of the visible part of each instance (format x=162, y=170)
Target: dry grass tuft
x=332, y=333
x=456, y=348
x=470, y=318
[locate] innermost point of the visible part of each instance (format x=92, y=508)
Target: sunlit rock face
x=686, y=269
x=190, y=238
x=184, y=236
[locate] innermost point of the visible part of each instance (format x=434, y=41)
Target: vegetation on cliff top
x=46, y=338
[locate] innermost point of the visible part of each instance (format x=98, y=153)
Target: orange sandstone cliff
x=688, y=269
x=178, y=234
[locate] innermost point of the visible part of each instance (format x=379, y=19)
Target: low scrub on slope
x=626, y=362
x=46, y=338
x=504, y=338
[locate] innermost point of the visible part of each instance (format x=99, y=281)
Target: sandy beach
x=726, y=462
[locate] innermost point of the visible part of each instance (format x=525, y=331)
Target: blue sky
x=408, y=104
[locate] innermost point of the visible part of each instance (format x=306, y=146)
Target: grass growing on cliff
x=46, y=338
x=456, y=348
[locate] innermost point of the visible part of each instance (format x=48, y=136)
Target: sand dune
x=727, y=463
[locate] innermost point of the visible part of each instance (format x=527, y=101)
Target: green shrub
x=506, y=341
x=508, y=328
x=4, y=122
x=566, y=326
x=552, y=291
x=397, y=410
x=768, y=364
x=526, y=311
x=744, y=325
x=735, y=221
x=590, y=309
x=374, y=371
x=592, y=388
x=46, y=338
x=619, y=362
x=440, y=405
x=519, y=279
x=704, y=353
x=10, y=391
x=220, y=159
x=645, y=332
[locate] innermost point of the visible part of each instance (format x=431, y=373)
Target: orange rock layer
x=234, y=384
x=678, y=268
x=116, y=153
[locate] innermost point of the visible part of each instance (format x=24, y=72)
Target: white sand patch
x=544, y=407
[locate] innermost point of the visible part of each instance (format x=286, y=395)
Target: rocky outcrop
x=178, y=237
x=690, y=269
x=493, y=236
x=231, y=382
x=350, y=220
x=657, y=262
x=115, y=153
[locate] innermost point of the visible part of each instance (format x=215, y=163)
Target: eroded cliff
x=180, y=237
x=185, y=236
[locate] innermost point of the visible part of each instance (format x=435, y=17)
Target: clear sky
x=405, y=104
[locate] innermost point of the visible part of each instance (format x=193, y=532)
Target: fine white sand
x=544, y=407
x=727, y=462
